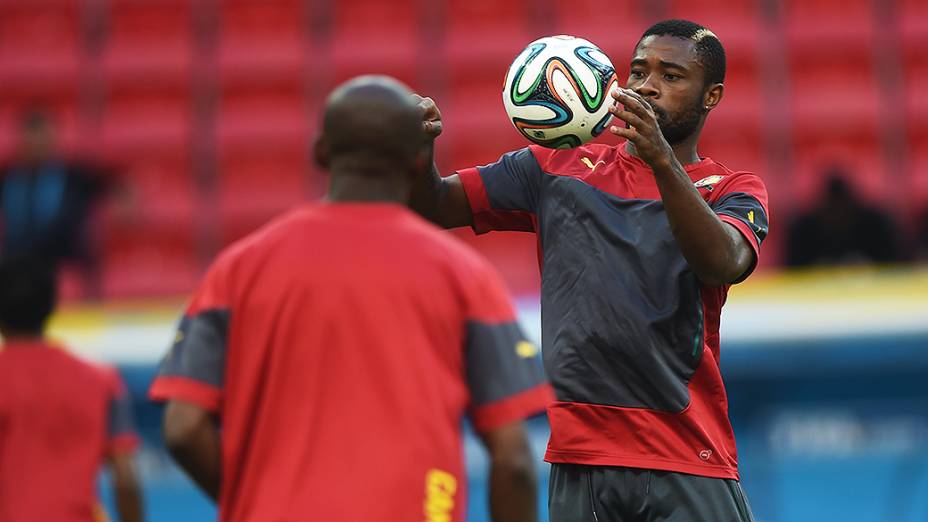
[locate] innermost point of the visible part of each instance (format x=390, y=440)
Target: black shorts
x=611, y=494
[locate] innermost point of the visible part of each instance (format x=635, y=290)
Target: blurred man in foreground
x=340, y=346
x=60, y=418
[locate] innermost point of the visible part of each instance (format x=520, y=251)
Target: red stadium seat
x=829, y=26
x=162, y=188
x=251, y=117
x=912, y=22
x=863, y=161
x=834, y=98
x=144, y=260
x=375, y=37
x=149, y=42
x=42, y=48
x=915, y=87
x=477, y=129
x=482, y=37
x=144, y=122
x=255, y=185
x=263, y=42
x=613, y=25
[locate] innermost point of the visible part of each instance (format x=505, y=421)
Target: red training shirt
x=631, y=336
x=60, y=418
x=340, y=347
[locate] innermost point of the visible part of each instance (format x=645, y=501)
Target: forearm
x=427, y=194
x=199, y=456
x=129, y=501
x=513, y=492
x=713, y=249
x=126, y=488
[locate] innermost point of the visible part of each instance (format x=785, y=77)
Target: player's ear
x=712, y=96
x=321, y=152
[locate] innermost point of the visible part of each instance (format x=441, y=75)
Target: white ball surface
x=556, y=92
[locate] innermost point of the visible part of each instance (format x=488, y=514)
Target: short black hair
x=28, y=294
x=709, y=49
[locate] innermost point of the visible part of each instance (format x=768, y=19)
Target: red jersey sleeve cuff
x=513, y=408
x=123, y=443
x=749, y=235
x=477, y=198
x=187, y=390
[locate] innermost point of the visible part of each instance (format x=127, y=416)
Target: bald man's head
x=371, y=125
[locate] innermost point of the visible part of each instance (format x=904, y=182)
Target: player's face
x=666, y=72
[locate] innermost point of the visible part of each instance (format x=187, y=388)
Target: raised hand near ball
x=431, y=116
x=643, y=129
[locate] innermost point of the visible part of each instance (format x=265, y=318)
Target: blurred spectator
x=46, y=200
x=842, y=230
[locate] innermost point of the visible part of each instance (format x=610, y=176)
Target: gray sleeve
x=501, y=363
x=199, y=350
x=512, y=182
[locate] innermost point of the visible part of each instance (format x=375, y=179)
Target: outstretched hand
x=643, y=130
x=431, y=116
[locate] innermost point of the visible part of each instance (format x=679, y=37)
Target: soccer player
x=60, y=418
x=323, y=368
x=639, y=244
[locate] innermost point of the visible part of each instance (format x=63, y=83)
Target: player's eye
x=671, y=77
x=637, y=75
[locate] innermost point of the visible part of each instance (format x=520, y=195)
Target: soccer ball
x=557, y=91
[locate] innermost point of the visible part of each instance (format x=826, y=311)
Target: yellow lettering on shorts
x=440, y=487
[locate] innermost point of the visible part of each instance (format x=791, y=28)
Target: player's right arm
x=498, y=196
x=191, y=380
x=192, y=437
x=507, y=385
x=440, y=200
x=513, y=481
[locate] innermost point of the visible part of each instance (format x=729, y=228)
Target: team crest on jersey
x=707, y=183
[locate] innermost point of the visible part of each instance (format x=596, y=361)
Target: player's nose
x=647, y=89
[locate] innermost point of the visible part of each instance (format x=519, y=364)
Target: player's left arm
x=716, y=250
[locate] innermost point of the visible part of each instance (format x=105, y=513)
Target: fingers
x=629, y=134
x=431, y=116
x=633, y=102
x=432, y=128
x=627, y=116
x=429, y=108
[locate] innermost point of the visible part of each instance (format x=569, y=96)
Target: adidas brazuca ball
x=557, y=91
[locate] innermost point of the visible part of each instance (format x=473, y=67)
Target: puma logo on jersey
x=751, y=217
x=589, y=163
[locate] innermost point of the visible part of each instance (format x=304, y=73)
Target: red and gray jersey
x=341, y=347
x=630, y=336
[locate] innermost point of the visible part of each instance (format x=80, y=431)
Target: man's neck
x=348, y=187
x=685, y=151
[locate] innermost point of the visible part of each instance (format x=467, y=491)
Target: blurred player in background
x=639, y=245
x=60, y=418
x=339, y=347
